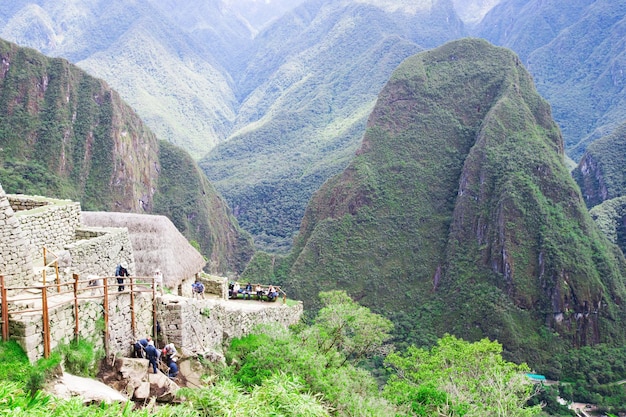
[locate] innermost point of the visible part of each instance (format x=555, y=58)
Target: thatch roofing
x=156, y=244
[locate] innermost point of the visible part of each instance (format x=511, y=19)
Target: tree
x=348, y=329
x=322, y=356
x=458, y=378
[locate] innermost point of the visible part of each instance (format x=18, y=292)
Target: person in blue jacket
x=140, y=347
x=152, y=354
x=173, y=372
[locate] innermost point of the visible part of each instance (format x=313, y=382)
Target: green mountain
x=458, y=215
x=166, y=59
x=278, y=92
x=66, y=134
x=309, y=87
x=601, y=177
x=600, y=173
x=573, y=50
x=610, y=216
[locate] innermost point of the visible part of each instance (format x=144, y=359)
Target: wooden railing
x=78, y=293
x=47, y=264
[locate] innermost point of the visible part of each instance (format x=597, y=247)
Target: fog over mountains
x=272, y=96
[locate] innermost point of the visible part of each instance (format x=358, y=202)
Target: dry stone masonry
x=196, y=326
x=201, y=326
x=15, y=250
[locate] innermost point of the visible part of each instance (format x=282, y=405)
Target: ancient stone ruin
x=33, y=227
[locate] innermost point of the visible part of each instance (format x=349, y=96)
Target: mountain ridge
x=492, y=240
x=67, y=134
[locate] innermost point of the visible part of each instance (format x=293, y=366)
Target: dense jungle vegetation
x=339, y=364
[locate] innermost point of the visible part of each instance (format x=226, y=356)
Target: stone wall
x=99, y=250
x=50, y=223
x=200, y=326
x=194, y=326
x=121, y=335
x=27, y=328
x=215, y=285
x=21, y=202
x=15, y=262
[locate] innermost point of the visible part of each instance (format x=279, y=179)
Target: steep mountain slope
x=292, y=94
x=527, y=25
x=601, y=177
x=610, y=216
x=458, y=214
x=318, y=71
x=66, y=134
x=574, y=49
x=163, y=57
x=600, y=173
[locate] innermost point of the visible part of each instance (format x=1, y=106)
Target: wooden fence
x=77, y=289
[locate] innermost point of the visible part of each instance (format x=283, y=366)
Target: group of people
x=234, y=289
x=121, y=271
x=145, y=348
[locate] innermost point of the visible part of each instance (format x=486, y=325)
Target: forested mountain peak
x=459, y=215
x=272, y=96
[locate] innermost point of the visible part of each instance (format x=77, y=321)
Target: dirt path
x=250, y=305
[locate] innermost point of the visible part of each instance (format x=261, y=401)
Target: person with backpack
x=152, y=355
x=120, y=272
x=197, y=289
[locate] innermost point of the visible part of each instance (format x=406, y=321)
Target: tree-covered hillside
x=574, y=51
x=167, y=59
x=311, y=82
x=459, y=215
x=600, y=173
x=601, y=177
x=286, y=93
x=66, y=134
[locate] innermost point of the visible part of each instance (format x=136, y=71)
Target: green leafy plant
x=80, y=357
x=457, y=378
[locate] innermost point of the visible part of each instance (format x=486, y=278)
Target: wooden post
x=132, y=308
x=5, y=310
x=46, y=322
x=105, y=308
x=155, y=333
x=76, y=323
x=45, y=260
x=58, y=280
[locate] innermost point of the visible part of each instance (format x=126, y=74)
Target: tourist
x=120, y=272
x=153, y=355
x=197, y=289
x=272, y=293
x=236, y=289
x=259, y=292
x=247, y=291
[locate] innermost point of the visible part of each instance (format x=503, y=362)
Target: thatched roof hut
x=156, y=244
